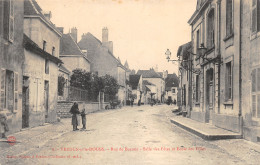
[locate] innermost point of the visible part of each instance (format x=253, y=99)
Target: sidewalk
x=204, y=130
x=32, y=138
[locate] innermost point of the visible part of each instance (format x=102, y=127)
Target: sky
x=141, y=30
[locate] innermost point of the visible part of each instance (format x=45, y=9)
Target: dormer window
x=53, y=51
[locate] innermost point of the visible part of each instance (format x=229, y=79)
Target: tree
x=110, y=86
x=61, y=83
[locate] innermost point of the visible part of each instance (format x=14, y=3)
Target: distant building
x=103, y=61
x=149, y=91
x=136, y=82
x=156, y=79
x=171, y=87
x=71, y=55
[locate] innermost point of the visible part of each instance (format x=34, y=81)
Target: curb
x=206, y=136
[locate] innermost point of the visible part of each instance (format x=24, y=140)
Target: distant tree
x=110, y=86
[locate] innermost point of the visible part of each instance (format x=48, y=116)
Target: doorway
x=25, y=102
x=46, y=99
x=209, y=94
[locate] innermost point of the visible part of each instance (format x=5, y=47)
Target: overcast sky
x=141, y=30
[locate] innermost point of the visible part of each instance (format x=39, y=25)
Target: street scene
x=129, y=82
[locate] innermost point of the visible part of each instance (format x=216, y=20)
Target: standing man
x=3, y=125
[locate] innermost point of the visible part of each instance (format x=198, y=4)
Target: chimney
x=104, y=35
x=74, y=34
x=61, y=29
x=47, y=15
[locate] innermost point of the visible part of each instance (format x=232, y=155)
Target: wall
x=75, y=61
x=250, y=60
x=159, y=83
x=11, y=58
x=64, y=107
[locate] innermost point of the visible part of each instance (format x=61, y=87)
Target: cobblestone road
x=131, y=136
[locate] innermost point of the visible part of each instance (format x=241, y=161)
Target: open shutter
x=15, y=91
x=2, y=94
x=11, y=21
x=254, y=15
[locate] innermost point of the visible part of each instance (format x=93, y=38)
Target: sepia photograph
x=129, y=82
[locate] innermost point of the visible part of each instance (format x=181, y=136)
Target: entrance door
x=46, y=99
x=25, y=108
x=209, y=95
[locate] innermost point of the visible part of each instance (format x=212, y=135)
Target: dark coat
x=74, y=110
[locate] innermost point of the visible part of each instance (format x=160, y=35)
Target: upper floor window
x=255, y=16
x=173, y=91
x=211, y=29
x=9, y=20
x=53, y=51
x=229, y=17
x=229, y=81
x=197, y=88
x=255, y=89
x=44, y=44
x=46, y=66
x=197, y=41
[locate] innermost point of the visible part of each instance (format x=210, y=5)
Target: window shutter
x=2, y=96
x=254, y=15
x=254, y=105
x=258, y=15
x=6, y=18
x=254, y=80
x=229, y=19
x=11, y=21
x=16, y=91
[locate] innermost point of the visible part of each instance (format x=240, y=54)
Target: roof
x=33, y=47
x=145, y=82
x=31, y=8
x=149, y=73
x=183, y=50
x=171, y=80
x=64, y=69
x=134, y=80
x=84, y=42
x=68, y=46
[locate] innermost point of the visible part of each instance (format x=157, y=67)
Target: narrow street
x=133, y=135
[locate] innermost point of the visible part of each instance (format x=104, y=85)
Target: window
x=198, y=42
x=229, y=81
x=197, y=88
x=211, y=29
x=255, y=16
x=53, y=51
x=9, y=90
x=9, y=20
x=255, y=93
x=173, y=91
x=46, y=66
x=44, y=45
x=184, y=95
x=229, y=17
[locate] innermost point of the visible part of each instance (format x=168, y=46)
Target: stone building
x=103, y=60
x=156, y=79
x=136, y=82
x=40, y=69
x=250, y=69
x=70, y=53
x=171, y=87
x=11, y=62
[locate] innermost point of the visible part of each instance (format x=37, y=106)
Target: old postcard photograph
x=129, y=82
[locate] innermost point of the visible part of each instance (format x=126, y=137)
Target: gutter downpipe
x=240, y=71
x=219, y=51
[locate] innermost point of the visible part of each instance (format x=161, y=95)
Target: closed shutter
x=254, y=15
x=2, y=95
x=16, y=91
x=6, y=19
x=11, y=21
x=258, y=15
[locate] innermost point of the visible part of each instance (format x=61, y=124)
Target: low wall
x=198, y=116
x=227, y=122
x=63, y=107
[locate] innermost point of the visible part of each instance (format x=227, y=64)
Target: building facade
x=11, y=62
x=103, y=61
x=40, y=69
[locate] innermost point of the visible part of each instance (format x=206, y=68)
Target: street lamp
x=168, y=55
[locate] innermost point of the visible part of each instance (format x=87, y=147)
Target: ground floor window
x=255, y=90
x=9, y=90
